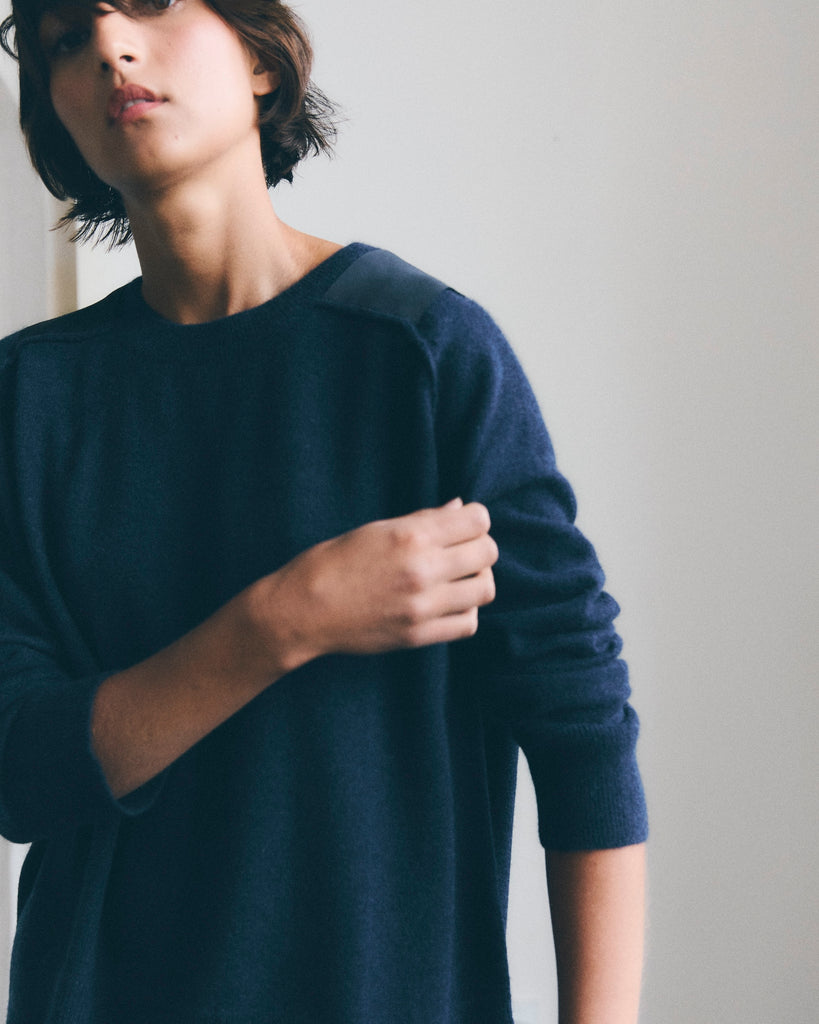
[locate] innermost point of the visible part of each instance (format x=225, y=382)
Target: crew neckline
x=317, y=280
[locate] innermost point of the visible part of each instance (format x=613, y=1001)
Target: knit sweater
x=337, y=852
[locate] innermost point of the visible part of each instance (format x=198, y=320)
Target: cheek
x=77, y=113
x=67, y=100
x=216, y=59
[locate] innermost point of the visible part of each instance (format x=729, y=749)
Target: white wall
x=631, y=190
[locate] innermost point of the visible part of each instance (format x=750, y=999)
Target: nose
x=114, y=38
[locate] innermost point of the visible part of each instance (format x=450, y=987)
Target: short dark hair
x=295, y=120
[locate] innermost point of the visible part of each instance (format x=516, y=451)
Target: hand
x=407, y=582
x=403, y=582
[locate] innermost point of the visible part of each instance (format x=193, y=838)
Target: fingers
x=473, y=592
x=455, y=522
x=458, y=626
x=468, y=558
x=406, y=582
x=453, y=611
x=450, y=610
x=441, y=545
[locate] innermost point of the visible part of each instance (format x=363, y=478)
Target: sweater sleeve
x=546, y=657
x=50, y=779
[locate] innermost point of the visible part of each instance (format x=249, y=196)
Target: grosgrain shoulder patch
x=380, y=282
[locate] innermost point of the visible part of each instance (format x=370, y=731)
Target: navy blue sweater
x=338, y=851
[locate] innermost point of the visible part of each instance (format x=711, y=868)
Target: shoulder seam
x=380, y=283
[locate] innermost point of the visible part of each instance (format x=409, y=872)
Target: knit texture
x=338, y=851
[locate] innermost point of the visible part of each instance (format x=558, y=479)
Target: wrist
x=277, y=624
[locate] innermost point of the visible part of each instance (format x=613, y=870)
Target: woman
x=263, y=752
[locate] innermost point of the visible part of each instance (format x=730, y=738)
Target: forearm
x=147, y=716
x=597, y=901
x=407, y=582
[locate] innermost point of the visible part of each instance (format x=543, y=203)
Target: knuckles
x=407, y=534
x=413, y=558
x=415, y=636
x=414, y=576
x=416, y=612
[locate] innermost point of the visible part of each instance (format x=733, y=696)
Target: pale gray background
x=631, y=190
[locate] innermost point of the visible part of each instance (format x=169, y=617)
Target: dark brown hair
x=295, y=120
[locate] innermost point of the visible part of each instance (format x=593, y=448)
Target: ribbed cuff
x=589, y=790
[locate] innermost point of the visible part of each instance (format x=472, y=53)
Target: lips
x=129, y=102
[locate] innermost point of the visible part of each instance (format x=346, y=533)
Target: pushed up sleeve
x=50, y=779
x=546, y=657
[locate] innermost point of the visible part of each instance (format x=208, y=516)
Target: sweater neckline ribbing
x=313, y=284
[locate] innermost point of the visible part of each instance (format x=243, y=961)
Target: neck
x=204, y=256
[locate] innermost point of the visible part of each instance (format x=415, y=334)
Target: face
x=157, y=94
